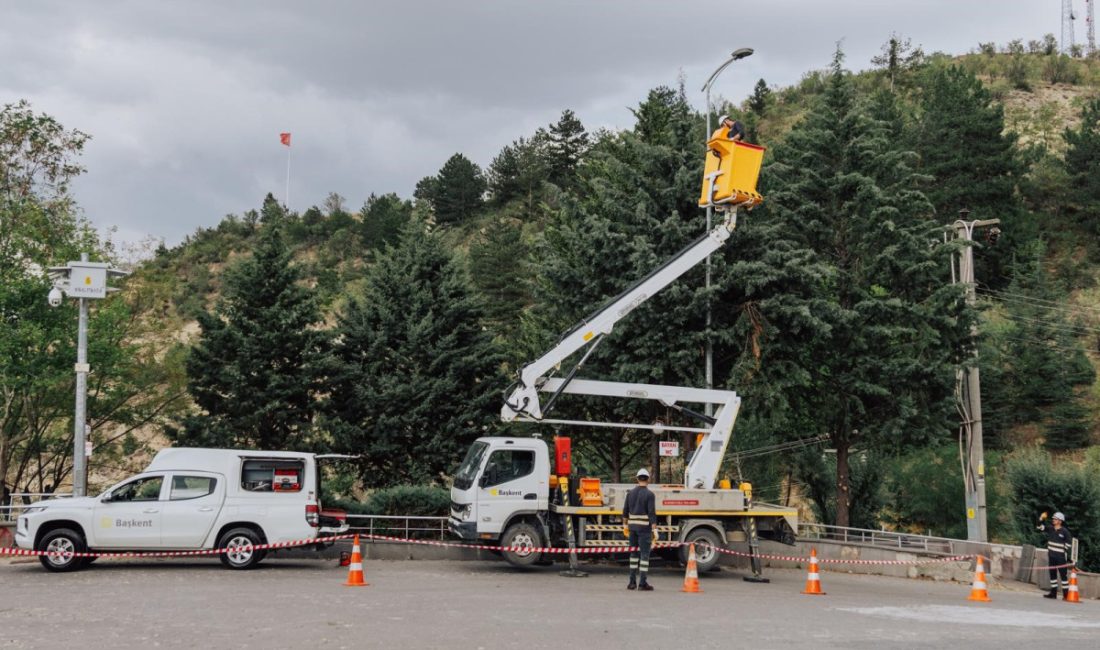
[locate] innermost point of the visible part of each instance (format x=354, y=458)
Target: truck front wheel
x=61, y=544
x=706, y=542
x=238, y=554
x=521, y=536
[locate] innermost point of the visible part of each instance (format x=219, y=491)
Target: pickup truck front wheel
x=61, y=544
x=239, y=555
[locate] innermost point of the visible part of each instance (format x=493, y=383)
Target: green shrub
x=418, y=500
x=1039, y=485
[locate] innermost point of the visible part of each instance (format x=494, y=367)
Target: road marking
x=974, y=616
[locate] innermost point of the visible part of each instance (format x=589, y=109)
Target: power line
x=1067, y=328
x=1039, y=302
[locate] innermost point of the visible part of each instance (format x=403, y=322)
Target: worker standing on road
x=1058, y=548
x=640, y=525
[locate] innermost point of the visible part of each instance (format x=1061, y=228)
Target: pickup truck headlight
x=32, y=510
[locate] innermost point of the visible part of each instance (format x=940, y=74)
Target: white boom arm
x=523, y=403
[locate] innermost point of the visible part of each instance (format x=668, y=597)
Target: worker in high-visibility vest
x=1059, y=541
x=640, y=525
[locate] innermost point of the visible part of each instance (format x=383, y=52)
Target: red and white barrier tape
x=523, y=550
x=1059, y=566
x=201, y=552
x=583, y=550
x=822, y=560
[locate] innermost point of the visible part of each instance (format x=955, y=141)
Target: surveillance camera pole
x=80, y=433
x=84, y=281
x=970, y=391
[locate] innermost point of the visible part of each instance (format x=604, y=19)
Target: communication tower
x=1067, y=26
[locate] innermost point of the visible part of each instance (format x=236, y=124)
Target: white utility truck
x=189, y=499
x=507, y=491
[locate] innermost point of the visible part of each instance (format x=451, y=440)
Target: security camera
x=56, y=297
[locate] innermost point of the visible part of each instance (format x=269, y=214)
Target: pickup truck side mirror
x=483, y=481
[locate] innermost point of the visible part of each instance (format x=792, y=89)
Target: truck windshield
x=464, y=477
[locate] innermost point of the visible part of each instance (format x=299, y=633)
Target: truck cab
x=501, y=481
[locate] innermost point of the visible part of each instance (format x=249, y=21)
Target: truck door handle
x=206, y=509
x=530, y=496
x=150, y=511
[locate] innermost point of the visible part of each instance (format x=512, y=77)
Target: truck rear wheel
x=523, y=536
x=61, y=544
x=238, y=554
x=706, y=542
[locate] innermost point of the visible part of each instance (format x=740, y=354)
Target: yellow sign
x=969, y=513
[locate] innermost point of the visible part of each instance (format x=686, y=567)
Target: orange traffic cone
x=1072, y=595
x=978, y=591
x=813, y=578
x=691, y=576
x=355, y=569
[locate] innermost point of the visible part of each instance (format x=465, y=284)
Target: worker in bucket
x=1058, y=548
x=640, y=525
x=735, y=129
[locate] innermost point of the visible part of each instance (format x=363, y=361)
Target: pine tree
x=498, y=267
x=383, y=219
x=633, y=207
x=519, y=171
x=416, y=377
x=568, y=141
x=760, y=98
x=257, y=369
x=878, y=368
x=1082, y=152
x=973, y=163
x=457, y=193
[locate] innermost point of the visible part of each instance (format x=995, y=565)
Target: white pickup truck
x=188, y=499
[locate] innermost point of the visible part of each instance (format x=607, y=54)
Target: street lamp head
x=56, y=297
x=964, y=213
x=741, y=53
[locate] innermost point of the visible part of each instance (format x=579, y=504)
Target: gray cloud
x=185, y=99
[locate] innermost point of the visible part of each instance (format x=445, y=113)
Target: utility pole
x=969, y=392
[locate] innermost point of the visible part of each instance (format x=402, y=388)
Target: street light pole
x=970, y=397
x=734, y=56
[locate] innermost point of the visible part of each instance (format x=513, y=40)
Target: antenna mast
x=1067, y=26
x=1090, y=23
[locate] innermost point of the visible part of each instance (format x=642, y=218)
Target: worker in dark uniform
x=1058, y=549
x=735, y=129
x=640, y=525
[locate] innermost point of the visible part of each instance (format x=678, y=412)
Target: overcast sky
x=185, y=100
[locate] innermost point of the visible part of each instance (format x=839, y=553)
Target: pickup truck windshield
x=464, y=477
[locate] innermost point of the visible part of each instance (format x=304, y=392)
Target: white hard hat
x=643, y=473
x=1059, y=516
x=723, y=118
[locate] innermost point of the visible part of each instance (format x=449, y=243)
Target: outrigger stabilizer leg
x=572, y=571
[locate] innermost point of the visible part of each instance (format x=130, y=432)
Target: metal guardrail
x=878, y=538
x=407, y=527
x=11, y=511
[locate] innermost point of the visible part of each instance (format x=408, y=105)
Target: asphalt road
x=452, y=604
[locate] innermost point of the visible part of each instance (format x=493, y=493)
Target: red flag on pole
x=284, y=138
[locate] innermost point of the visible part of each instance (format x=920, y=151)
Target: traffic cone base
x=1072, y=595
x=813, y=577
x=691, y=575
x=355, y=567
x=978, y=591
